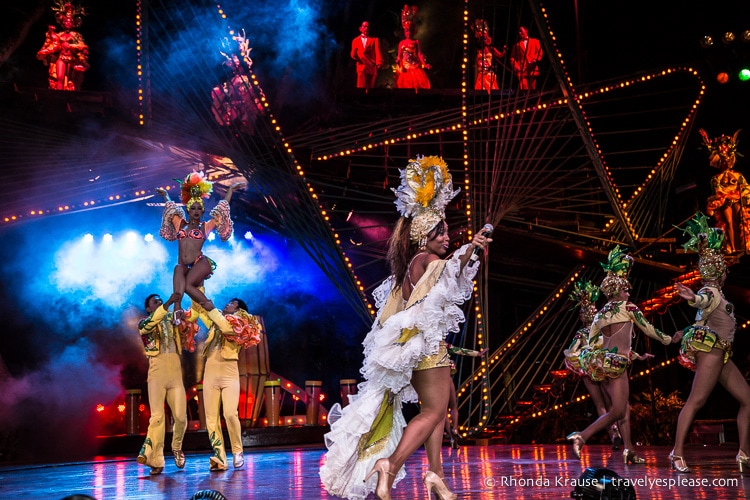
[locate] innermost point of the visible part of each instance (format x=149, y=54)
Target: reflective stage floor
x=474, y=472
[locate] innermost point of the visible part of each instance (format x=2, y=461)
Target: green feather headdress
x=707, y=241
x=617, y=268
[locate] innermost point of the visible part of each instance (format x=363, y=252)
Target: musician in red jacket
x=525, y=57
x=366, y=52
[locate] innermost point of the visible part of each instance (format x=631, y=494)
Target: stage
x=474, y=472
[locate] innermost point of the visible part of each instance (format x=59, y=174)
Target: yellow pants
x=164, y=383
x=221, y=388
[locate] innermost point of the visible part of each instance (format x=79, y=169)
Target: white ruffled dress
x=357, y=438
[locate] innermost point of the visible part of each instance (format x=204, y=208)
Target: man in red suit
x=366, y=51
x=524, y=58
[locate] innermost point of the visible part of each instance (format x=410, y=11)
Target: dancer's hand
x=685, y=292
x=178, y=317
x=164, y=193
x=677, y=336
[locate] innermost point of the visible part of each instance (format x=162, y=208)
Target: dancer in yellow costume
x=406, y=358
x=608, y=354
x=227, y=335
x=585, y=294
x=707, y=343
x=163, y=346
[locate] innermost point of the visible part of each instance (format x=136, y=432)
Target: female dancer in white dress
x=406, y=358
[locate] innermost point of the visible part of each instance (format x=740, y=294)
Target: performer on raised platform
x=65, y=52
x=366, y=54
x=730, y=203
x=608, y=352
x=525, y=57
x=192, y=266
x=221, y=377
x=410, y=63
x=163, y=347
x=707, y=344
x=585, y=294
x=406, y=357
x=487, y=54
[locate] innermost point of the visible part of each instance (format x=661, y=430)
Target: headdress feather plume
x=426, y=188
x=585, y=294
x=707, y=241
x=617, y=267
x=195, y=187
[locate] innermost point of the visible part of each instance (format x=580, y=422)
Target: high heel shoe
x=631, y=457
x=578, y=443
x=743, y=461
x=454, y=440
x=383, y=469
x=436, y=484
x=678, y=463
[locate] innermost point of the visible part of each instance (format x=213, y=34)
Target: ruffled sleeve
x=246, y=330
x=170, y=221
x=220, y=216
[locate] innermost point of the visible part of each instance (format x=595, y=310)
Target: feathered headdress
x=480, y=29
x=243, y=44
x=66, y=10
x=617, y=267
x=426, y=188
x=408, y=16
x=707, y=241
x=195, y=188
x=585, y=294
x=722, y=150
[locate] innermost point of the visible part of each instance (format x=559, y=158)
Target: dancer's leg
x=618, y=390
x=733, y=381
x=433, y=389
x=453, y=410
x=178, y=285
x=708, y=366
x=195, y=277
x=624, y=424
x=601, y=403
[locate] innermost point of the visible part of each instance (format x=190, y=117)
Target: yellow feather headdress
x=426, y=188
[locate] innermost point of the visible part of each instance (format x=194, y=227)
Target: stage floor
x=475, y=472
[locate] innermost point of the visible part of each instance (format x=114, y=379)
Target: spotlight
x=211, y=237
x=745, y=36
x=248, y=235
x=728, y=38
x=107, y=238
x=148, y=238
x=744, y=74
x=722, y=77
x=602, y=484
x=131, y=237
x=707, y=41
x=88, y=238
